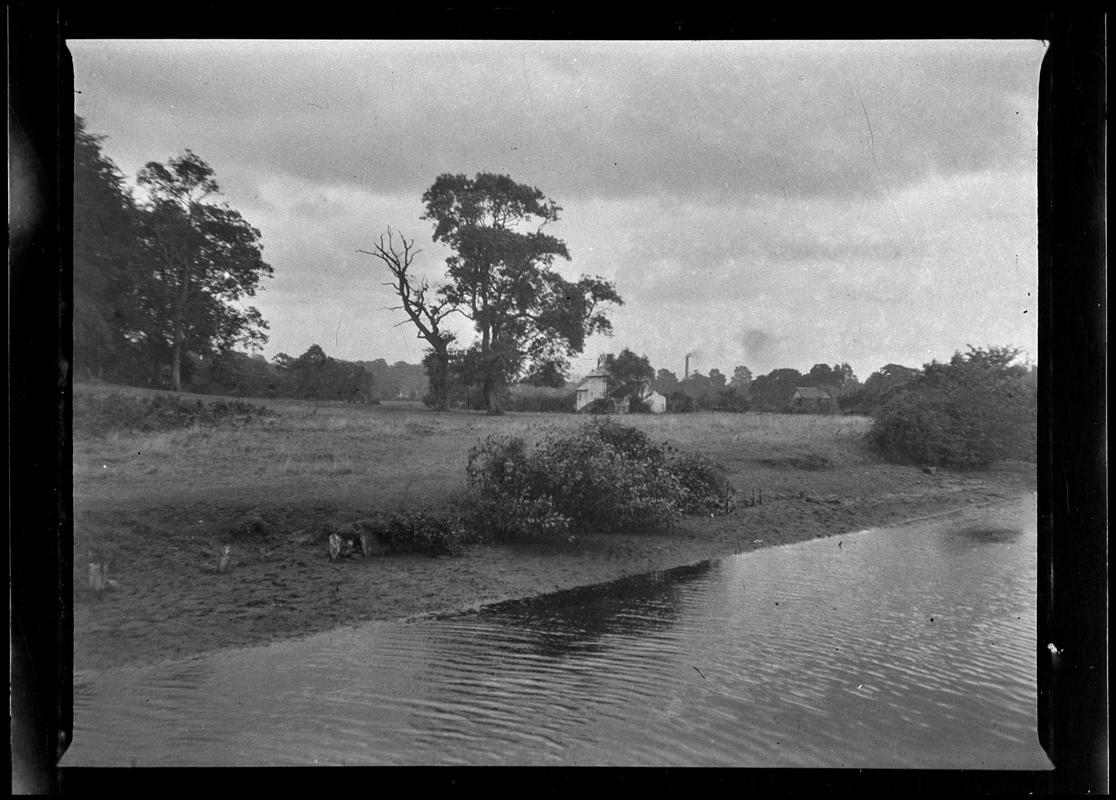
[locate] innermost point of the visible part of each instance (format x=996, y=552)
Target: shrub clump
x=100, y=414
x=705, y=489
x=977, y=409
x=602, y=476
x=421, y=532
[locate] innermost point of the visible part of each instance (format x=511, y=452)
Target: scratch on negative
x=872, y=150
x=699, y=673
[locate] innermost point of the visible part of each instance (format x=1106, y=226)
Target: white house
x=594, y=387
x=642, y=391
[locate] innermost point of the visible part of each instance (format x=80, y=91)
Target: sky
x=766, y=204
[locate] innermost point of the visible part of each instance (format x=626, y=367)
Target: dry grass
x=401, y=454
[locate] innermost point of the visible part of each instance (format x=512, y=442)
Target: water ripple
x=908, y=647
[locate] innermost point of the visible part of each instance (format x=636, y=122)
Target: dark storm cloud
x=583, y=119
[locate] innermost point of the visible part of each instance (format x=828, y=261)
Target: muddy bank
x=170, y=601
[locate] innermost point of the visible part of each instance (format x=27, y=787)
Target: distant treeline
x=312, y=376
x=716, y=391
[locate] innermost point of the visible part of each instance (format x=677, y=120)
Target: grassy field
x=402, y=454
x=163, y=504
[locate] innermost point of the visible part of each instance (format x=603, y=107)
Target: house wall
x=592, y=389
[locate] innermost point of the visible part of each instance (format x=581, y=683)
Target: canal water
x=909, y=647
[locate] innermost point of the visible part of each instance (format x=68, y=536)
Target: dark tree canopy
x=105, y=260
x=979, y=408
x=627, y=367
x=205, y=257
x=888, y=377
x=666, y=382
x=773, y=391
x=501, y=277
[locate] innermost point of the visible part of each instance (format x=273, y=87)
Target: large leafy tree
x=206, y=258
x=666, y=382
x=773, y=391
x=627, y=367
x=105, y=260
x=501, y=277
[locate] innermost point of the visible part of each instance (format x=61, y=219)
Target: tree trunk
x=176, y=369
x=491, y=397
x=179, y=332
x=491, y=401
x=439, y=381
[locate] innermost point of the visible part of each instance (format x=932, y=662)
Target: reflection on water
x=907, y=647
x=564, y=624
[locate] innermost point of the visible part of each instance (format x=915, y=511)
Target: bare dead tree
x=426, y=308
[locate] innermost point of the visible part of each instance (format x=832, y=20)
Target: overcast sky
x=772, y=204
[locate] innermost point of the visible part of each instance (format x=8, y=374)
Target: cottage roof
x=812, y=393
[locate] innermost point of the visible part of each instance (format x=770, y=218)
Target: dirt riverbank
x=170, y=601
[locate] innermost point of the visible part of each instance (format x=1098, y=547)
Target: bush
x=421, y=532
x=99, y=414
x=977, y=409
x=602, y=476
x=705, y=488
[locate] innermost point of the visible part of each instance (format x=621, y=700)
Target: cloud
x=757, y=343
x=861, y=202
x=579, y=119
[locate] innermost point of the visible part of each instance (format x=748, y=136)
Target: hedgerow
x=100, y=414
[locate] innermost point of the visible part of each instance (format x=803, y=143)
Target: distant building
x=594, y=387
x=638, y=390
x=812, y=400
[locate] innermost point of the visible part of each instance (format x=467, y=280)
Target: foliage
x=741, y=381
x=422, y=532
x=705, y=488
x=501, y=277
x=880, y=386
x=101, y=414
x=311, y=376
x=398, y=381
x=233, y=373
x=678, y=402
x=551, y=374
x=827, y=377
x=707, y=393
x=627, y=375
x=666, y=382
x=628, y=368
x=979, y=408
x=205, y=258
x=105, y=261
x=774, y=391
x=601, y=476
x=316, y=376
x=525, y=397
